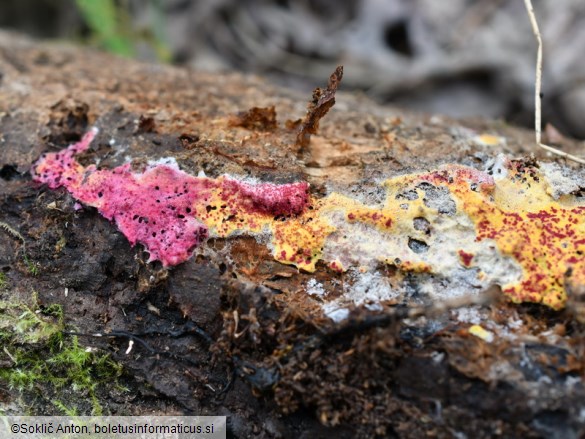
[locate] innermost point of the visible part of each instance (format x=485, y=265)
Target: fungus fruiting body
x=456, y=222
x=164, y=208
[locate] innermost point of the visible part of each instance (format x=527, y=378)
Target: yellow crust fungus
x=513, y=212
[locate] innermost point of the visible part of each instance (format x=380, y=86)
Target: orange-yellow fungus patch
x=489, y=140
x=421, y=226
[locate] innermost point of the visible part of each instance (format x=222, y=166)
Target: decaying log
x=317, y=343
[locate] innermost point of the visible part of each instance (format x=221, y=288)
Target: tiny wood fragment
x=146, y=125
x=257, y=119
x=322, y=101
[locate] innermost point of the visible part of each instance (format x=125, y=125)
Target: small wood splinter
x=321, y=103
x=538, y=86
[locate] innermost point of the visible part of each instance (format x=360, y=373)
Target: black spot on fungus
x=408, y=195
x=100, y=194
x=188, y=210
x=438, y=198
x=422, y=224
x=417, y=246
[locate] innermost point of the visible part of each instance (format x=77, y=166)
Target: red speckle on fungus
x=465, y=258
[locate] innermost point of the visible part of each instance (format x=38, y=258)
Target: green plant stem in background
x=111, y=27
x=105, y=20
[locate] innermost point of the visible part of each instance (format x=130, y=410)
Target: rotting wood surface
x=232, y=330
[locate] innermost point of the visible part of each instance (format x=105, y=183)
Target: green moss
x=3, y=281
x=32, y=267
x=45, y=364
x=67, y=411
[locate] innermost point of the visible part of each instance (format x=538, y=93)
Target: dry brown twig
x=321, y=103
x=537, y=89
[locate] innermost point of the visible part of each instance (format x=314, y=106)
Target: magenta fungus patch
x=156, y=207
x=268, y=198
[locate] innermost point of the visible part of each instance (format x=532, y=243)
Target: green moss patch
x=39, y=362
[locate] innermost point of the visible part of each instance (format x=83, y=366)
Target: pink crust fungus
x=268, y=198
x=155, y=207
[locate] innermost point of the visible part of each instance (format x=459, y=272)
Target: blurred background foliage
x=111, y=27
x=463, y=58
x=109, y=24
x=106, y=24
